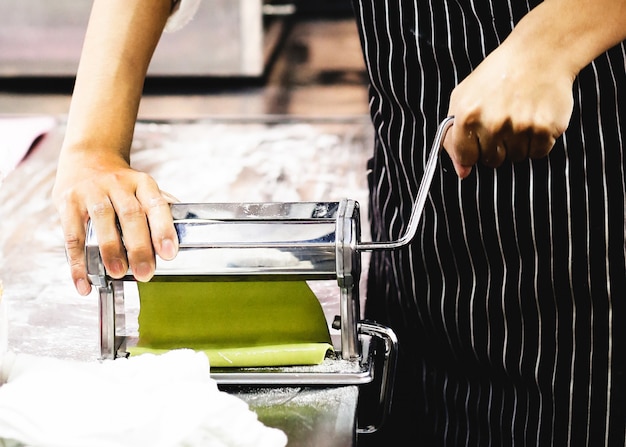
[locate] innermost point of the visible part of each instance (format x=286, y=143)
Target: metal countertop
x=253, y=160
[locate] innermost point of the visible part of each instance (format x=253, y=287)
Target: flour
x=158, y=401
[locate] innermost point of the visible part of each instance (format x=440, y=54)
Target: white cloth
x=4, y=326
x=181, y=15
x=148, y=400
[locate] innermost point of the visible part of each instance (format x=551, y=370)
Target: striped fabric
x=510, y=305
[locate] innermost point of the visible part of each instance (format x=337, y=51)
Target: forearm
x=569, y=34
x=129, y=212
x=119, y=43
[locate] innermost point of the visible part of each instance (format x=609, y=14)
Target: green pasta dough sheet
x=236, y=323
x=258, y=356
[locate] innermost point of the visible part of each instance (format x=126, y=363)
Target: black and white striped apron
x=510, y=305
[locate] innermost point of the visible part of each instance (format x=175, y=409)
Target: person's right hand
x=106, y=189
x=519, y=99
x=514, y=106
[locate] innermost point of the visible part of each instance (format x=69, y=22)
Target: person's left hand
x=130, y=215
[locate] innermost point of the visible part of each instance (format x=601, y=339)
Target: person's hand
x=515, y=105
x=107, y=190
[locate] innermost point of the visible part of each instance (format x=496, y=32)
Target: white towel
x=148, y=400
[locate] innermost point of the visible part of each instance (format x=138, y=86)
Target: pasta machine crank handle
x=422, y=194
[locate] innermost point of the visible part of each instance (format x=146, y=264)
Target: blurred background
x=237, y=57
x=252, y=100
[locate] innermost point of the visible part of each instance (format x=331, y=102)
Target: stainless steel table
x=261, y=159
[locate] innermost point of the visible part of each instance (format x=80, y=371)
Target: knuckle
x=130, y=211
x=492, y=159
x=61, y=193
x=110, y=249
x=155, y=202
x=145, y=181
x=140, y=251
x=101, y=209
x=77, y=268
x=541, y=145
x=73, y=243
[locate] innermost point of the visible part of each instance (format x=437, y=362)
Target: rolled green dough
x=237, y=323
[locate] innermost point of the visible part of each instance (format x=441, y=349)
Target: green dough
x=257, y=356
x=237, y=323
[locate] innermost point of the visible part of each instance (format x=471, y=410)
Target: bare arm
x=94, y=178
x=518, y=101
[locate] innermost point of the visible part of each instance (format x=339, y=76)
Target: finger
x=540, y=144
x=112, y=250
x=517, y=146
x=461, y=171
x=156, y=205
x=136, y=235
x=73, y=222
x=461, y=144
x=492, y=150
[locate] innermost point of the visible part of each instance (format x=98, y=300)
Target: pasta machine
x=275, y=241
